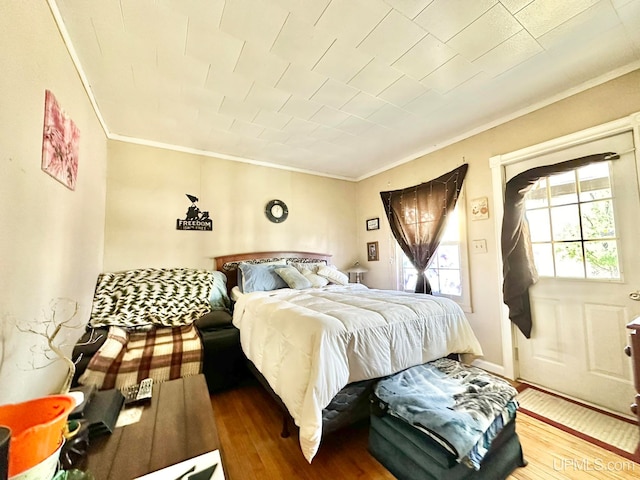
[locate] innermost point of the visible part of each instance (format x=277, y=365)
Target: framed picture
x=373, y=224
x=372, y=251
x=480, y=208
x=60, y=141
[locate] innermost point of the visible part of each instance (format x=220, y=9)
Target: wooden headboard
x=228, y=264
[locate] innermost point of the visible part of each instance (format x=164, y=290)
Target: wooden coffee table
x=177, y=425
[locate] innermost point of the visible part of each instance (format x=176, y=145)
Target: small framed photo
x=372, y=251
x=480, y=208
x=373, y=224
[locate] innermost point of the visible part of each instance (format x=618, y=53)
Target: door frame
x=498, y=164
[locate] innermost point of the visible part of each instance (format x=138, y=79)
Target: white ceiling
x=343, y=88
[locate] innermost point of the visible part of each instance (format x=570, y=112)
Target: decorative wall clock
x=276, y=211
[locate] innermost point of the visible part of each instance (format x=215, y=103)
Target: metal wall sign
x=195, y=219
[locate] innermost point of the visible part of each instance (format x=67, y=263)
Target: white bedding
x=310, y=343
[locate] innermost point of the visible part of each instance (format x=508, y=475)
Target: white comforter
x=310, y=343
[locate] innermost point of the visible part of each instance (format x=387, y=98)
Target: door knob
x=635, y=296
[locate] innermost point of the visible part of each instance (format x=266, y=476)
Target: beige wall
x=609, y=101
x=146, y=190
x=51, y=239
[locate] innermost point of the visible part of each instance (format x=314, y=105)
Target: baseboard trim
x=490, y=367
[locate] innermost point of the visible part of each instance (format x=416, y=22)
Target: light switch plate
x=479, y=246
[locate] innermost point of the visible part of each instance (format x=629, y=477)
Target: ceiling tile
x=213, y=119
x=307, y=10
x=630, y=15
x=342, y=61
x=329, y=116
x=541, y=16
x=392, y=37
x=273, y=120
x=206, y=13
x=409, y=8
x=259, y=64
x=182, y=70
x=402, y=91
x=228, y=84
x=267, y=98
x=274, y=135
x=297, y=125
x=355, y=125
x=300, y=107
x=352, y=20
x=238, y=109
x=445, y=18
x=328, y=134
x=300, y=81
x=257, y=21
x=363, y=105
x=246, y=128
x=426, y=56
x=334, y=94
x=214, y=47
x=453, y=73
x=375, y=77
x=586, y=25
x=425, y=103
x=514, y=6
x=513, y=51
x=301, y=43
x=388, y=116
x=492, y=28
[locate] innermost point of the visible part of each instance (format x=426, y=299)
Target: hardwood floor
x=249, y=424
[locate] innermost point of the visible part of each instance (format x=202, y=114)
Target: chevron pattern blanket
x=169, y=297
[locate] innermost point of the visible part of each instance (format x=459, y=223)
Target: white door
x=581, y=304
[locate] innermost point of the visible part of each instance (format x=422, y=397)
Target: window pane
x=452, y=229
x=597, y=220
x=569, y=260
x=594, y=182
x=409, y=280
x=450, y=282
x=602, y=259
x=448, y=256
x=539, y=225
x=565, y=223
x=537, y=196
x=543, y=258
x=432, y=276
x=563, y=188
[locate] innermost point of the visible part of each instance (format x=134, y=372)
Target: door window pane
x=542, y=230
x=573, y=233
x=565, y=222
x=602, y=259
x=563, y=188
x=594, y=182
x=597, y=220
x=569, y=261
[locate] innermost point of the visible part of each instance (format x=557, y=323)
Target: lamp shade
x=357, y=268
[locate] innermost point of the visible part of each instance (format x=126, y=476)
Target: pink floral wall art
x=60, y=141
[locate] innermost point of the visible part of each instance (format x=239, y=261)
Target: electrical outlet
x=479, y=246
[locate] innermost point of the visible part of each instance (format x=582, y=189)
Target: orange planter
x=36, y=429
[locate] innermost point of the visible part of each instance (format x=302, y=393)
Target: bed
x=310, y=345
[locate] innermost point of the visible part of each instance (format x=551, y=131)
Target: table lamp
x=358, y=270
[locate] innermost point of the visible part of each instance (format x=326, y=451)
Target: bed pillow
x=333, y=275
x=239, y=281
x=219, y=299
x=316, y=280
x=312, y=266
x=260, y=278
x=293, y=278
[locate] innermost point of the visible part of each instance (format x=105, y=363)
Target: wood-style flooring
x=249, y=424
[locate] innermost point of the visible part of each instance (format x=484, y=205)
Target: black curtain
x=517, y=257
x=417, y=216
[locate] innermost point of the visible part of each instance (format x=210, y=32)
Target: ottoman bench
x=445, y=421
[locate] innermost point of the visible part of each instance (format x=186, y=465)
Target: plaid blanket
x=127, y=358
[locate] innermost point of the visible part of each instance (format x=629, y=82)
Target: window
x=572, y=224
x=447, y=271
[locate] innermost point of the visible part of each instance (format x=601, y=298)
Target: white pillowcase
x=293, y=278
x=312, y=266
x=316, y=280
x=333, y=275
